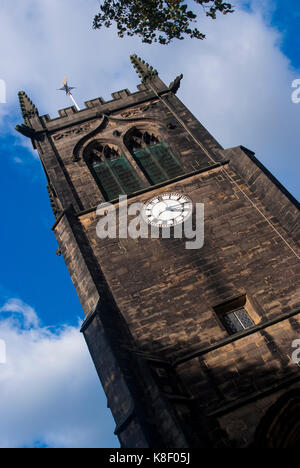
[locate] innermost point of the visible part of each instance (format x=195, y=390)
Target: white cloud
x=239, y=86
x=16, y=305
x=49, y=391
x=18, y=160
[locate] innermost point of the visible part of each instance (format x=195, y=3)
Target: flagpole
x=75, y=103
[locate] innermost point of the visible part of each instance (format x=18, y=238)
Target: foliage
x=157, y=20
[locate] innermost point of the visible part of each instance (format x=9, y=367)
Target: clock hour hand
x=175, y=207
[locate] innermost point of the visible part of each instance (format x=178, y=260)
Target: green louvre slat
x=126, y=175
x=148, y=165
x=167, y=160
x=108, y=185
x=117, y=177
x=158, y=163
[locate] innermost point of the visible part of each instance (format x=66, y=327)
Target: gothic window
x=112, y=171
x=154, y=157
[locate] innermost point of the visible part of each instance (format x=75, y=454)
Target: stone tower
x=194, y=347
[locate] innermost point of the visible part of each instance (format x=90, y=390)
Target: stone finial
x=28, y=109
x=143, y=69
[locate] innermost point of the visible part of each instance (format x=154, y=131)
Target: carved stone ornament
x=72, y=131
x=97, y=152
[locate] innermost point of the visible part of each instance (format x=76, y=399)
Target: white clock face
x=168, y=209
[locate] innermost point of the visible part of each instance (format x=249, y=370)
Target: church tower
x=194, y=347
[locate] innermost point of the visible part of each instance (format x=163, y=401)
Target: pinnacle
x=28, y=109
x=143, y=69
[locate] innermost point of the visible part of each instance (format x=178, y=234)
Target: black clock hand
x=175, y=207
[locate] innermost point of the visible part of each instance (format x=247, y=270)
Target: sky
x=237, y=82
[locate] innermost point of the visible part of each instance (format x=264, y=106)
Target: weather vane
x=67, y=90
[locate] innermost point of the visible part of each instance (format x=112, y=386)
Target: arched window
x=154, y=157
x=112, y=171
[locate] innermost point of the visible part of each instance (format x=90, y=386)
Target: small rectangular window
x=237, y=321
x=236, y=315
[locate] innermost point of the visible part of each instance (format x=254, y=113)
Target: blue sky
x=285, y=16
x=237, y=82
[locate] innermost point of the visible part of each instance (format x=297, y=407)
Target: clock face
x=168, y=209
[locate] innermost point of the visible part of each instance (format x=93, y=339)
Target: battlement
x=120, y=99
x=93, y=107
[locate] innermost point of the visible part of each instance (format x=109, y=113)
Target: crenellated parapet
x=95, y=108
x=150, y=87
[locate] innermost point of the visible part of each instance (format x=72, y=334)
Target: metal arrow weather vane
x=67, y=89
